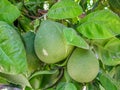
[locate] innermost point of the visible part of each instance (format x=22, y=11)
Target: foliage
x=88, y=25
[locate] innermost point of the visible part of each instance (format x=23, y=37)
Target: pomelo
x=83, y=65
x=50, y=43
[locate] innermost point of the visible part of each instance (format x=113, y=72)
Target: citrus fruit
x=83, y=65
x=50, y=43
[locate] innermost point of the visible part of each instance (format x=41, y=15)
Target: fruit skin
x=82, y=65
x=50, y=43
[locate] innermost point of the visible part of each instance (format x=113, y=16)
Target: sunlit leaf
x=100, y=25
x=64, y=9
x=74, y=39
x=12, y=52
x=8, y=12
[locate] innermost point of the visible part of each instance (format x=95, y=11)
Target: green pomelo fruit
x=83, y=65
x=50, y=43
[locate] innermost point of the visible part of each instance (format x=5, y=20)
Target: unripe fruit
x=50, y=43
x=83, y=65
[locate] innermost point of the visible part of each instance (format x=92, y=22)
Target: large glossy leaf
x=74, y=39
x=100, y=25
x=16, y=79
x=8, y=12
x=64, y=9
x=107, y=82
x=110, y=53
x=12, y=52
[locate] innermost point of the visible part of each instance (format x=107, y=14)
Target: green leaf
x=25, y=23
x=51, y=89
x=109, y=58
x=110, y=53
x=101, y=87
x=117, y=73
x=100, y=42
x=66, y=86
x=12, y=52
x=93, y=86
x=94, y=30
x=36, y=82
x=28, y=88
x=32, y=59
x=64, y=9
x=3, y=81
x=8, y=12
x=50, y=79
x=113, y=45
x=16, y=79
x=74, y=39
x=43, y=72
x=67, y=77
x=107, y=82
x=100, y=25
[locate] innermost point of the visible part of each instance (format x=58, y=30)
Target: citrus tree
x=60, y=44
